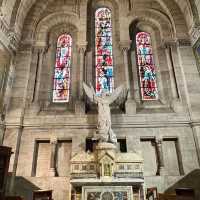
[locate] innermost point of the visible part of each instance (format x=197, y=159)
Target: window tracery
x=146, y=67
x=103, y=51
x=61, y=83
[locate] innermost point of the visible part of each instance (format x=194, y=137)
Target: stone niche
x=106, y=174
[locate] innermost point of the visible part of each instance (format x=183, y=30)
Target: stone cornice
x=181, y=42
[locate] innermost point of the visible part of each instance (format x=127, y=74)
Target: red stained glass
x=103, y=51
x=61, y=85
x=146, y=67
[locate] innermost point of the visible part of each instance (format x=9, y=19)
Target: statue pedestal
x=104, y=147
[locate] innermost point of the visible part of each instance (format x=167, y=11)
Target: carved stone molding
x=168, y=43
x=195, y=34
x=183, y=42
x=82, y=46
x=13, y=38
x=175, y=42
x=125, y=45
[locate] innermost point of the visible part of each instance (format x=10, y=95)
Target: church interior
x=100, y=99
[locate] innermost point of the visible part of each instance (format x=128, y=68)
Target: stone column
x=130, y=103
x=8, y=90
x=168, y=52
x=80, y=105
x=40, y=51
x=170, y=47
x=52, y=171
x=2, y=131
x=160, y=157
x=82, y=50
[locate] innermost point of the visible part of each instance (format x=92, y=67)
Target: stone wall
x=44, y=136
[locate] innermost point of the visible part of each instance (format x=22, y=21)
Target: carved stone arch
x=92, y=5
x=189, y=9
x=114, y=2
x=156, y=20
x=156, y=28
x=48, y=36
x=52, y=20
x=193, y=7
x=177, y=18
x=25, y=8
x=14, y=12
x=61, y=28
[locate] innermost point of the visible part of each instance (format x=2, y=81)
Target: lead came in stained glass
x=103, y=51
x=146, y=66
x=61, y=85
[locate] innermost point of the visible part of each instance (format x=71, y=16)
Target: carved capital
x=159, y=142
x=125, y=45
x=169, y=43
x=183, y=42
x=40, y=49
x=82, y=47
x=14, y=40
x=53, y=141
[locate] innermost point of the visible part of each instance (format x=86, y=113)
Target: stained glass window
x=146, y=67
x=61, y=85
x=103, y=51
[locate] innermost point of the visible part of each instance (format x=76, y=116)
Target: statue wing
x=116, y=93
x=90, y=92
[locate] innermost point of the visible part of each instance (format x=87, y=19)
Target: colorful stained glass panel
x=146, y=67
x=61, y=86
x=103, y=51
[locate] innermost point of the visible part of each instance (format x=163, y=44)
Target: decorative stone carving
x=195, y=34
x=107, y=193
x=13, y=38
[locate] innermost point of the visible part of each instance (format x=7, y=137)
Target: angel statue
x=104, y=131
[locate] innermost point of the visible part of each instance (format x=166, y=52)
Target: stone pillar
x=8, y=91
x=168, y=52
x=172, y=61
x=2, y=131
x=80, y=105
x=130, y=103
x=160, y=157
x=52, y=171
x=40, y=51
x=82, y=49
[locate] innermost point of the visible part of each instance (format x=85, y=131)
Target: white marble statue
x=104, y=131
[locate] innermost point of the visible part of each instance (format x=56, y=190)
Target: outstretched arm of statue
x=90, y=92
x=116, y=93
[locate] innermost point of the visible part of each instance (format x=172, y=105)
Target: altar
x=106, y=174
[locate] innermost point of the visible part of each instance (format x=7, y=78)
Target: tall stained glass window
x=61, y=85
x=146, y=67
x=103, y=51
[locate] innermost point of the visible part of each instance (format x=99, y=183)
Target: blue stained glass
x=146, y=67
x=61, y=85
x=103, y=51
